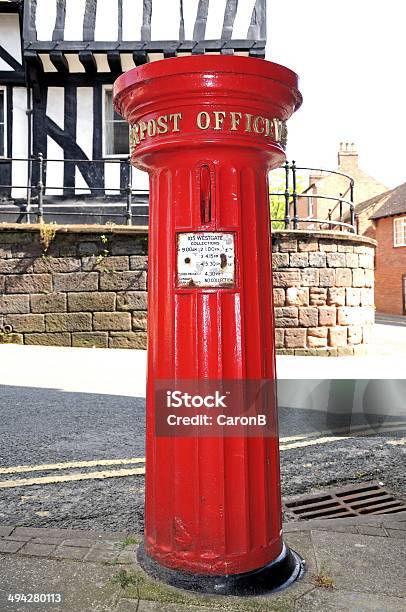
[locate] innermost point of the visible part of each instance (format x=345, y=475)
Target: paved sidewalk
x=355, y=564
x=123, y=372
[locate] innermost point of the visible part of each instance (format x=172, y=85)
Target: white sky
x=351, y=59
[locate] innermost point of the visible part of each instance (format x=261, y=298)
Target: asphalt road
x=319, y=448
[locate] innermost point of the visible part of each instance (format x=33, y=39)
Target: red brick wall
x=390, y=268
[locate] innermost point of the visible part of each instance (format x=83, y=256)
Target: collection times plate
x=206, y=259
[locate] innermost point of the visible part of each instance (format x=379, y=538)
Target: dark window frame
x=107, y=89
x=3, y=123
x=404, y=293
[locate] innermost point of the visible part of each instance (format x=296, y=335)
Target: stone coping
x=324, y=234
x=144, y=229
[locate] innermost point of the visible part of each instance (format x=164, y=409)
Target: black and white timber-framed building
x=58, y=62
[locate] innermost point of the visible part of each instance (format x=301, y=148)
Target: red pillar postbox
x=208, y=129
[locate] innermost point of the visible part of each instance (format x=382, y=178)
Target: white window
x=310, y=207
x=116, y=139
x=3, y=115
x=399, y=232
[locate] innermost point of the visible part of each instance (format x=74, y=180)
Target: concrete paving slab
x=5, y=531
x=393, y=521
x=79, y=542
x=128, y=555
x=396, y=533
x=37, y=532
x=69, y=552
x=301, y=542
x=83, y=587
x=37, y=550
x=45, y=540
x=9, y=546
x=348, y=601
x=370, y=564
x=371, y=530
x=17, y=538
x=101, y=555
x=322, y=526
x=391, y=524
x=109, y=545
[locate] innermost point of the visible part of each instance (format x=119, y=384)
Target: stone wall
x=77, y=286
x=323, y=292
x=87, y=286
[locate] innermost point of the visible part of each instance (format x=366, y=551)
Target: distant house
x=389, y=221
x=365, y=211
x=337, y=183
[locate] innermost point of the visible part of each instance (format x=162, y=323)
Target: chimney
x=347, y=157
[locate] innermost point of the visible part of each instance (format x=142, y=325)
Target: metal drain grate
x=354, y=500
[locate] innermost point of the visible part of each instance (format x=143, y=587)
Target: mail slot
x=208, y=129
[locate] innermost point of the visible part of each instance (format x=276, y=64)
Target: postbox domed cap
x=226, y=64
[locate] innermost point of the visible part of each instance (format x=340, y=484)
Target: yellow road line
x=286, y=443
x=19, y=469
x=43, y=480
x=295, y=438
x=304, y=443
x=400, y=442
x=327, y=439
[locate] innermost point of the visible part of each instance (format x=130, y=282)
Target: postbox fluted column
x=206, y=333
x=208, y=130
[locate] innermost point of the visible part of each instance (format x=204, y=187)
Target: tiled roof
x=377, y=200
x=372, y=202
x=395, y=204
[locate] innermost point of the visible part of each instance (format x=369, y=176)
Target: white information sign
x=206, y=259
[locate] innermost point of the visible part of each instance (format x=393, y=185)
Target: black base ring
x=279, y=574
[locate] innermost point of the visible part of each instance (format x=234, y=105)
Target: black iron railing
x=342, y=209
x=34, y=205
x=37, y=203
